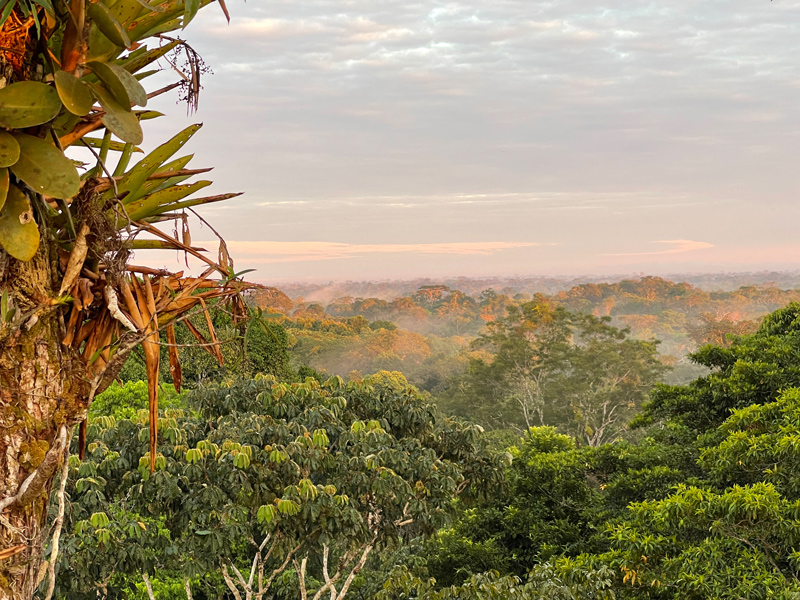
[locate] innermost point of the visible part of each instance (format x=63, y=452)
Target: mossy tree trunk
x=43, y=393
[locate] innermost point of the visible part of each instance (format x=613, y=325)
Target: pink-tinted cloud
x=679, y=246
x=273, y=252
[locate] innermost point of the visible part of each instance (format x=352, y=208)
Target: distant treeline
x=473, y=286
x=427, y=332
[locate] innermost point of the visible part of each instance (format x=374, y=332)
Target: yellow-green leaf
x=190, y=10
x=124, y=86
x=28, y=103
x=133, y=181
x=4, y=183
x=9, y=150
x=151, y=205
x=45, y=168
x=133, y=64
x=119, y=119
x=19, y=234
x=107, y=24
x=112, y=145
x=73, y=93
x=111, y=82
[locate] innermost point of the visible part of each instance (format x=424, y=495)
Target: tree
x=72, y=306
x=267, y=479
x=719, y=329
x=542, y=583
x=752, y=370
x=548, y=366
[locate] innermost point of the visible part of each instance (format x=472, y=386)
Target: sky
x=389, y=139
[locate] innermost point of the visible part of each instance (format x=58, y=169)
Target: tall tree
x=548, y=366
x=72, y=305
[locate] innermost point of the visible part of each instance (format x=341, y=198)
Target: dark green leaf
x=126, y=89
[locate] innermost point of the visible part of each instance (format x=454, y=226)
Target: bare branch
x=149, y=586
x=231, y=585
x=301, y=576
x=59, y=524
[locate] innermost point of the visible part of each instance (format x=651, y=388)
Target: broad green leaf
x=166, y=27
x=9, y=150
x=136, y=93
x=266, y=513
x=108, y=78
x=119, y=119
x=28, y=103
x=142, y=27
x=19, y=234
x=99, y=519
x=127, y=11
x=45, y=168
x=108, y=24
x=75, y=95
x=124, y=86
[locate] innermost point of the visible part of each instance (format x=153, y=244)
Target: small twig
x=164, y=90
x=103, y=166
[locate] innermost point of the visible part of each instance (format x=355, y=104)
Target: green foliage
x=542, y=583
x=699, y=544
x=303, y=467
x=752, y=371
x=124, y=401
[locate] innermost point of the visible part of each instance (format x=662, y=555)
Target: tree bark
x=44, y=390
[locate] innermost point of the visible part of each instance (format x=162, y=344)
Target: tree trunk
x=43, y=393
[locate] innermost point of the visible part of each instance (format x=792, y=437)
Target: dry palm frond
x=105, y=305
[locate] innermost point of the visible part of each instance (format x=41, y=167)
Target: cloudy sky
x=397, y=138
